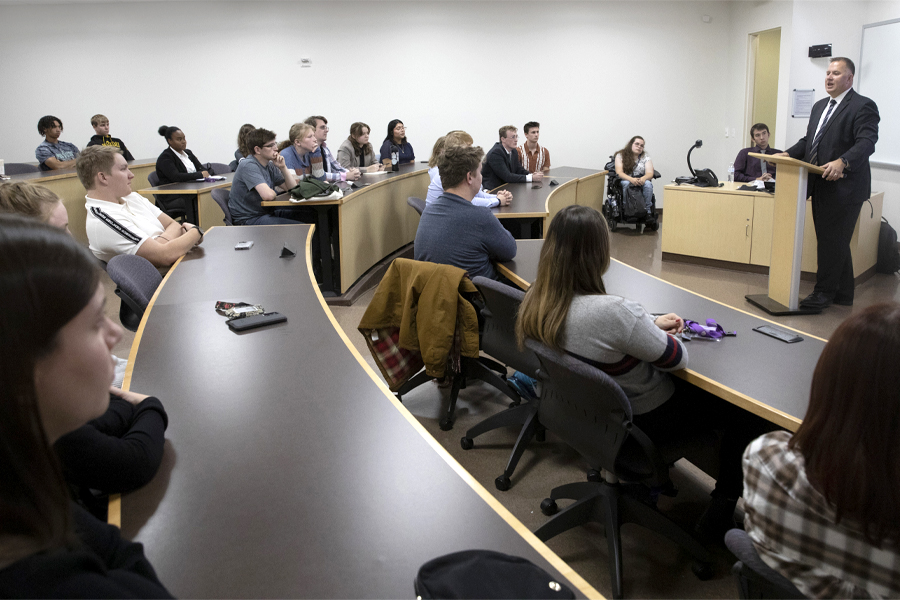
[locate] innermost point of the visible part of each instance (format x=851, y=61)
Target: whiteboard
x=878, y=77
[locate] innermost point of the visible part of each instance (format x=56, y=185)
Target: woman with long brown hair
x=635, y=168
x=356, y=151
x=823, y=505
x=568, y=308
x=56, y=379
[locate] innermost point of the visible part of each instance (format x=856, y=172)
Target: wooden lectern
x=787, y=237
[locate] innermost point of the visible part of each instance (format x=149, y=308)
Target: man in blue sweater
x=452, y=230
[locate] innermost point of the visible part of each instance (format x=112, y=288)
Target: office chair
x=589, y=411
x=754, y=578
x=417, y=203
x=219, y=169
x=498, y=340
x=19, y=168
x=220, y=195
x=136, y=280
x=166, y=203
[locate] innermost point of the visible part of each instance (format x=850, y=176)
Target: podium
x=787, y=237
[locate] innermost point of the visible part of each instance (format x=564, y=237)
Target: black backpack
x=888, y=255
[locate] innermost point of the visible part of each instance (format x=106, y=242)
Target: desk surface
x=529, y=199
x=728, y=187
x=349, y=188
x=754, y=371
x=189, y=187
x=44, y=176
x=290, y=470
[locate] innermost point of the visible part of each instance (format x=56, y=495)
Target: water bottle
x=395, y=158
x=731, y=172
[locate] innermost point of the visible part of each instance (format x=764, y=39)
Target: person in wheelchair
x=634, y=168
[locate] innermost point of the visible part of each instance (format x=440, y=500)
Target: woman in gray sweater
x=567, y=308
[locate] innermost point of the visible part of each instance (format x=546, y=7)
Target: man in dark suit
x=840, y=137
x=501, y=165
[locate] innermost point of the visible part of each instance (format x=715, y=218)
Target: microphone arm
x=697, y=144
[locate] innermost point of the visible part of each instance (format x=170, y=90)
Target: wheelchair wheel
x=613, y=223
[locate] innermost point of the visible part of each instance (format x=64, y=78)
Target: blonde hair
x=28, y=199
x=297, y=131
x=97, y=119
x=457, y=137
x=93, y=160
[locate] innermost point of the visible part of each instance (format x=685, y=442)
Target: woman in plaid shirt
x=823, y=506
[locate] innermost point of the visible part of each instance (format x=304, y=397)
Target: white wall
x=593, y=73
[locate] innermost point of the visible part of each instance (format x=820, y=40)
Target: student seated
x=436, y=188
x=821, y=505
x=53, y=154
x=120, y=221
x=747, y=168
x=297, y=149
x=501, y=165
x=101, y=136
x=242, y=151
x=38, y=202
x=532, y=155
x=177, y=164
x=396, y=137
x=567, y=308
x=356, y=152
x=635, y=168
x=56, y=380
x=322, y=158
x=256, y=179
x=453, y=231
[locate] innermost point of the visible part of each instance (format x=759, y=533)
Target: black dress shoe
x=843, y=299
x=818, y=300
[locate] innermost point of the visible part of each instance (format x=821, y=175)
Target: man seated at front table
x=102, y=138
x=255, y=181
x=334, y=171
x=121, y=221
x=532, y=155
x=452, y=230
x=53, y=154
x=748, y=168
x=501, y=165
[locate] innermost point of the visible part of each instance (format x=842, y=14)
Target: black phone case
x=787, y=337
x=256, y=321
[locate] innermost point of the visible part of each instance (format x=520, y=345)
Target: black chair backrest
x=590, y=412
x=499, y=337
x=220, y=195
x=18, y=168
x=134, y=276
x=756, y=579
x=417, y=203
x=219, y=169
x=153, y=178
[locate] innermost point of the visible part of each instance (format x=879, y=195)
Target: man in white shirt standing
x=121, y=221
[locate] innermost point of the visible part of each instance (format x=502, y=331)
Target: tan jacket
x=423, y=299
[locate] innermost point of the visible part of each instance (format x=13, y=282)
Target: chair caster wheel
x=595, y=476
x=514, y=404
x=446, y=424
x=702, y=571
x=548, y=506
x=503, y=483
x=541, y=435
x=466, y=443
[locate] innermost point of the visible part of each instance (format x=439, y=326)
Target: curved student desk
x=290, y=469
x=65, y=184
x=369, y=223
x=209, y=214
x=539, y=202
x=758, y=373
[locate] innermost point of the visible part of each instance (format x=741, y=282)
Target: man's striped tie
x=814, y=151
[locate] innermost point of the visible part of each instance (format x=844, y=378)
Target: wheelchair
x=613, y=206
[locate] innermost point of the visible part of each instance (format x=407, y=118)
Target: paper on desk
x=216, y=178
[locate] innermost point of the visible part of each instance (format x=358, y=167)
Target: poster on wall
x=802, y=102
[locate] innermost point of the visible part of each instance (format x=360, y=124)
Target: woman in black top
x=172, y=167
x=55, y=381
